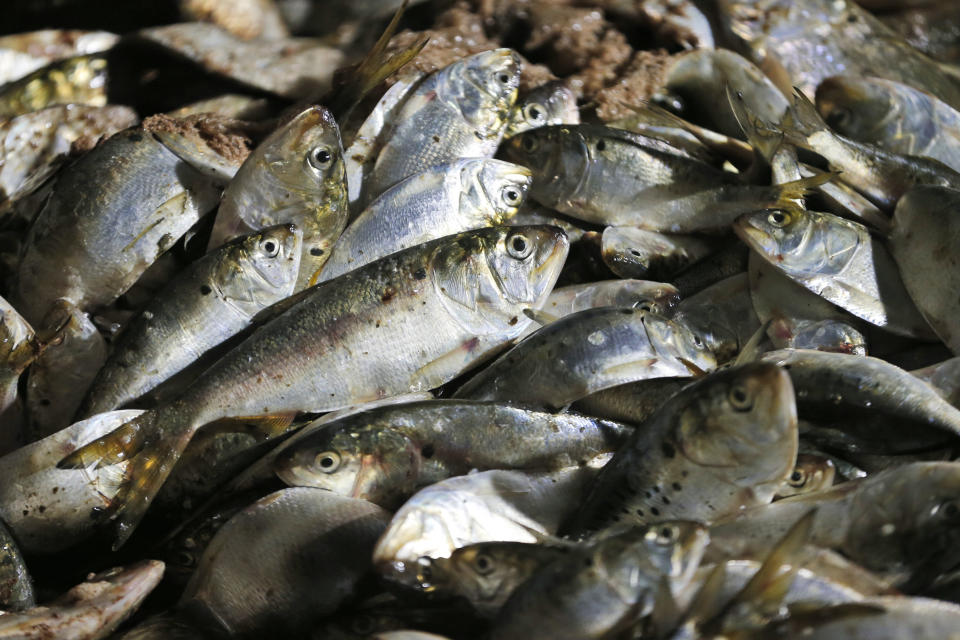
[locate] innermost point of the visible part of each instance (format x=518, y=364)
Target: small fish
x=721, y=315
x=810, y=474
x=16, y=586
x=631, y=252
x=78, y=80
x=550, y=103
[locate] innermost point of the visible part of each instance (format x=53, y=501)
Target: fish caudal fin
x=801, y=120
x=119, y=445
x=763, y=136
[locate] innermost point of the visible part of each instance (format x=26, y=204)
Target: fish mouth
x=755, y=237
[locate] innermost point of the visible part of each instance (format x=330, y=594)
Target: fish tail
x=801, y=120
x=787, y=193
x=765, y=137
x=119, y=445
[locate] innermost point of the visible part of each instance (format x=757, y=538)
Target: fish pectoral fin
x=265, y=426
x=539, y=316
x=439, y=370
x=788, y=192
x=751, y=350
x=145, y=475
x=634, y=369
x=708, y=600
x=119, y=445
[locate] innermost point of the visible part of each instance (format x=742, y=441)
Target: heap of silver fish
x=321, y=324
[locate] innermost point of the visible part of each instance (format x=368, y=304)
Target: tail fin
x=765, y=137
x=802, y=120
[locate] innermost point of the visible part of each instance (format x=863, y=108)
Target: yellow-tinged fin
x=119, y=445
x=375, y=68
x=751, y=350
x=706, y=603
x=265, y=426
x=801, y=120
x=694, y=370
x=796, y=189
x=764, y=137
x=540, y=316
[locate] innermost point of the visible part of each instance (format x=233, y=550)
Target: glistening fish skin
x=458, y=196
x=214, y=299
x=78, y=80
x=435, y=309
x=726, y=442
x=296, y=176
x=18, y=348
x=16, y=586
x=550, y=103
x=385, y=455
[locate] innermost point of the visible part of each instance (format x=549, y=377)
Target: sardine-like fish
x=285, y=561
x=608, y=586
x=408, y=322
x=60, y=377
x=586, y=352
x=550, y=103
x=631, y=252
x=77, y=80
x=23, y=53
x=385, y=455
x=838, y=260
x=16, y=586
x=615, y=177
x=129, y=198
x=92, y=609
x=214, y=299
x=458, y=196
x=295, y=176
x=18, y=348
x=925, y=242
x=460, y=111
x=810, y=40
x=810, y=474
x=891, y=115
x=726, y=442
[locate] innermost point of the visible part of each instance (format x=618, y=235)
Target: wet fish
x=464, y=295
x=615, y=177
x=605, y=588
x=385, y=455
x=588, y=351
x=16, y=586
x=631, y=252
x=458, y=196
x=214, y=299
x=92, y=609
x=891, y=115
x=722, y=316
x=550, y=103
x=944, y=377
x=129, y=198
x=23, y=53
x=60, y=377
x=460, y=111
x=726, y=442
x=284, y=561
x=18, y=348
x=633, y=402
x=924, y=241
x=295, y=176
x=810, y=474
x=77, y=80
x=838, y=260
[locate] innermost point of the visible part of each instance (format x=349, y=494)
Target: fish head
x=274, y=254
x=854, y=107
x=773, y=233
x=306, y=151
x=676, y=547
x=744, y=420
x=811, y=473
x=377, y=465
x=504, y=187
x=675, y=340
x=551, y=103
x=546, y=151
x=911, y=518
x=487, y=88
x=525, y=262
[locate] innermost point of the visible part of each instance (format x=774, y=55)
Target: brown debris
x=224, y=136
x=640, y=80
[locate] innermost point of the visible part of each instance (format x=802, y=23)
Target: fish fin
x=694, y=370
x=540, y=316
x=801, y=120
x=202, y=158
x=764, y=137
x=666, y=614
x=632, y=370
x=265, y=426
x=706, y=603
x=751, y=350
x=145, y=476
x=796, y=189
x=376, y=67
x=438, y=370
x=119, y=445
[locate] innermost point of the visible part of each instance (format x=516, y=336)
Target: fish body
x=77, y=80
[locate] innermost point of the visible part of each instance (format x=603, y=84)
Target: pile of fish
x=500, y=319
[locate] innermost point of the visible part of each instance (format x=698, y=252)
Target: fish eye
x=529, y=143
x=502, y=77
x=778, y=219
x=320, y=157
x=512, y=195
x=483, y=563
x=739, y=398
x=646, y=306
x=518, y=246
x=797, y=479
x=328, y=461
x=270, y=247
x=667, y=534
x=698, y=341
x=534, y=113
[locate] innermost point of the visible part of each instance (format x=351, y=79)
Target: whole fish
x=129, y=198
x=838, y=260
x=78, y=80
x=809, y=475
x=900, y=523
x=213, y=299
x=550, y=103
x=385, y=455
x=726, y=442
x=891, y=115
x=487, y=506
x=92, y=609
x=16, y=586
x=295, y=176
x=60, y=377
x=631, y=252
x=804, y=42
x=460, y=111
x=615, y=177
x=285, y=561
x=609, y=586
x=924, y=241
x=586, y=352
x=458, y=196
x=408, y=322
